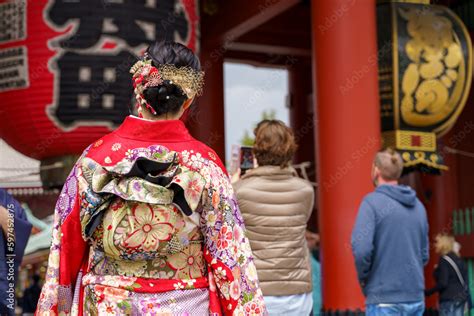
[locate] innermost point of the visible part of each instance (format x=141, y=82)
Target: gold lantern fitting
x=424, y=79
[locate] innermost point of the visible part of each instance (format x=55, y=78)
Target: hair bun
x=164, y=98
x=167, y=89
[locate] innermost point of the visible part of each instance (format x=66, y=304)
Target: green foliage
x=270, y=115
x=247, y=140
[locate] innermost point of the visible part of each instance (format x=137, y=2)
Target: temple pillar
x=300, y=87
x=302, y=122
x=206, y=118
x=347, y=134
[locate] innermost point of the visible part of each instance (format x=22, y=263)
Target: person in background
x=390, y=242
x=31, y=297
x=276, y=205
x=313, y=244
x=15, y=233
x=451, y=278
x=457, y=248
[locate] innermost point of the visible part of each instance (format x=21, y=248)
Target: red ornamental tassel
x=151, y=109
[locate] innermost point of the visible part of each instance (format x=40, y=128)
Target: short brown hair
x=390, y=164
x=274, y=143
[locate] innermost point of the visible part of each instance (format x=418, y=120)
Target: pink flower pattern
x=150, y=227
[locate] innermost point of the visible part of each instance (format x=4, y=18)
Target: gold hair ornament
x=145, y=75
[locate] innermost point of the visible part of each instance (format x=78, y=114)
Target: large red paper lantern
x=64, y=78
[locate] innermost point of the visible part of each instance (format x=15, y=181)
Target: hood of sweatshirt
x=401, y=193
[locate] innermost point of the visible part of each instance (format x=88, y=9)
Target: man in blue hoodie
x=390, y=242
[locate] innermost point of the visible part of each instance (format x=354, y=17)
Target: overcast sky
x=249, y=91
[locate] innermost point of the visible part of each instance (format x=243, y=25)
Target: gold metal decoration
x=189, y=80
x=409, y=140
x=425, y=76
x=437, y=65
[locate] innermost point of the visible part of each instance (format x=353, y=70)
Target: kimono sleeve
x=232, y=272
x=67, y=252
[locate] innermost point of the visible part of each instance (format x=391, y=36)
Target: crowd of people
x=149, y=223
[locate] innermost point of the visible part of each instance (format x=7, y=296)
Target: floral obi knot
x=151, y=176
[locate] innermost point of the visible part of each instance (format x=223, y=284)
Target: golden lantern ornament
x=424, y=79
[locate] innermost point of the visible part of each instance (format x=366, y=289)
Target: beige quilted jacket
x=276, y=206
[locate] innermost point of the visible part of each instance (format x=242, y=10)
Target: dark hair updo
x=168, y=97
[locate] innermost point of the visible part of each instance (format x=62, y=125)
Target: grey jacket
x=276, y=206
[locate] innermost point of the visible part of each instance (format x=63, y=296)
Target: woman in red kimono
x=147, y=222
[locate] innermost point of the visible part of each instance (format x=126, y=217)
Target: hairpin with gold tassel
x=145, y=75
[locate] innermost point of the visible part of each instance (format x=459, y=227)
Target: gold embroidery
x=98, y=143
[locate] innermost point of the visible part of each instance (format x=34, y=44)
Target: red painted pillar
x=348, y=135
x=206, y=118
x=302, y=121
x=300, y=86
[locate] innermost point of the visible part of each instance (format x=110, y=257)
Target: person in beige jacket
x=276, y=205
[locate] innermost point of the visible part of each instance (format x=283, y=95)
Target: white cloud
x=249, y=91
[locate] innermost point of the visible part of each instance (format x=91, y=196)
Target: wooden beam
x=264, y=60
x=296, y=39
x=234, y=18
x=274, y=49
x=275, y=41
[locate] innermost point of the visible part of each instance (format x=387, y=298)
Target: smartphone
x=234, y=159
x=246, y=159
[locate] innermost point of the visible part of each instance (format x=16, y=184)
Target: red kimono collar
x=147, y=130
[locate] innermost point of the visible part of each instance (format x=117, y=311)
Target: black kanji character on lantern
x=93, y=88
x=135, y=21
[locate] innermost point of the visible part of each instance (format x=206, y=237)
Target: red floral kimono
x=147, y=224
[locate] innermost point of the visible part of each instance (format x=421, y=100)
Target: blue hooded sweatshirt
x=390, y=245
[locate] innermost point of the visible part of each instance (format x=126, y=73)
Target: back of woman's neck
x=164, y=117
